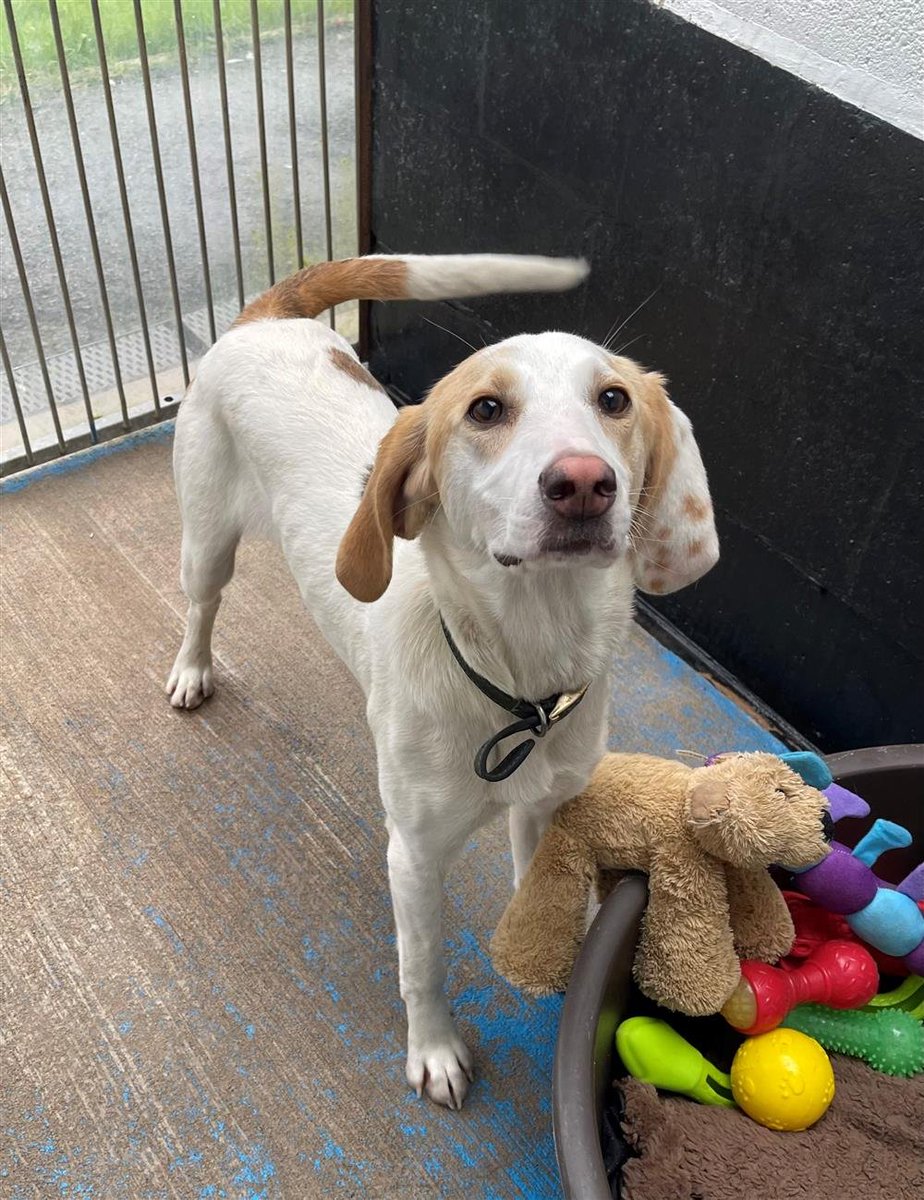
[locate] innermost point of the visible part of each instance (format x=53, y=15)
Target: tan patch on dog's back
x=354, y=368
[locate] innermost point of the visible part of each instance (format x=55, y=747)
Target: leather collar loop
x=537, y=717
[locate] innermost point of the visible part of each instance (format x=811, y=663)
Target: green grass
x=37, y=43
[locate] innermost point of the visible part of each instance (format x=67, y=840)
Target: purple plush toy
x=843, y=882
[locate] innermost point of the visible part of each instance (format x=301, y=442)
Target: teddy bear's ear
x=715, y=820
x=707, y=799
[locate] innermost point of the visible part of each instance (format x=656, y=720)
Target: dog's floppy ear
x=399, y=496
x=675, y=541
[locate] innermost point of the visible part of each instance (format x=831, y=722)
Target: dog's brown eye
x=614, y=401
x=486, y=410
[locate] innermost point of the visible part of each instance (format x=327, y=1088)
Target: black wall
x=780, y=230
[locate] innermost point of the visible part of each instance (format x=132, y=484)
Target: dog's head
x=539, y=452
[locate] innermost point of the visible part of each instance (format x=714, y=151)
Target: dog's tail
x=412, y=277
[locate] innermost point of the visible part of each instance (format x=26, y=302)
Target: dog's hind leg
x=206, y=568
x=203, y=464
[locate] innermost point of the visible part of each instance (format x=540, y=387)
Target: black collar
x=536, y=716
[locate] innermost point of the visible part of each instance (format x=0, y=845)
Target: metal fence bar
x=87, y=204
x=229, y=159
x=161, y=190
x=362, y=67
x=30, y=309
x=293, y=135
x=194, y=161
x=123, y=198
x=325, y=144
x=17, y=406
x=49, y=219
x=261, y=130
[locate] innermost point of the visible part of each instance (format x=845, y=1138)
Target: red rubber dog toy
x=840, y=974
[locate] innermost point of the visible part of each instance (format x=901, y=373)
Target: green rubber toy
x=890, y=1040
x=655, y=1053
x=908, y=996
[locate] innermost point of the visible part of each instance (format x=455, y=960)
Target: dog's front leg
x=437, y=1058
x=527, y=825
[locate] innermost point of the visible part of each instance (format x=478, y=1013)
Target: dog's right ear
x=399, y=497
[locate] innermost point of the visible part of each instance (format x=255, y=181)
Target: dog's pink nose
x=578, y=486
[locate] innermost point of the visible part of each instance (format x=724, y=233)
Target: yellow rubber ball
x=783, y=1079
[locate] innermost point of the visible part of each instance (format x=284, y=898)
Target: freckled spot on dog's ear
x=708, y=800
x=354, y=368
x=656, y=583
x=695, y=508
x=695, y=549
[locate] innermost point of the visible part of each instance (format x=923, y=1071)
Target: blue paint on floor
x=80, y=459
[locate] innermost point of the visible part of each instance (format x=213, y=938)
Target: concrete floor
x=198, y=964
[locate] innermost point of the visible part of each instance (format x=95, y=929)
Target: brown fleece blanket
x=868, y=1146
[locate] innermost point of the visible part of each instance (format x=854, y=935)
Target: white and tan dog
x=541, y=481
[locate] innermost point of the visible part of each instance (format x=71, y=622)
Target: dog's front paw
x=442, y=1067
x=189, y=685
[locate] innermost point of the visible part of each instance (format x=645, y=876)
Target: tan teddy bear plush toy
x=705, y=836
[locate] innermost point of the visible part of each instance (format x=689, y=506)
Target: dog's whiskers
x=637, y=526
x=452, y=333
x=418, y=500
x=614, y=333
x=630, y=342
